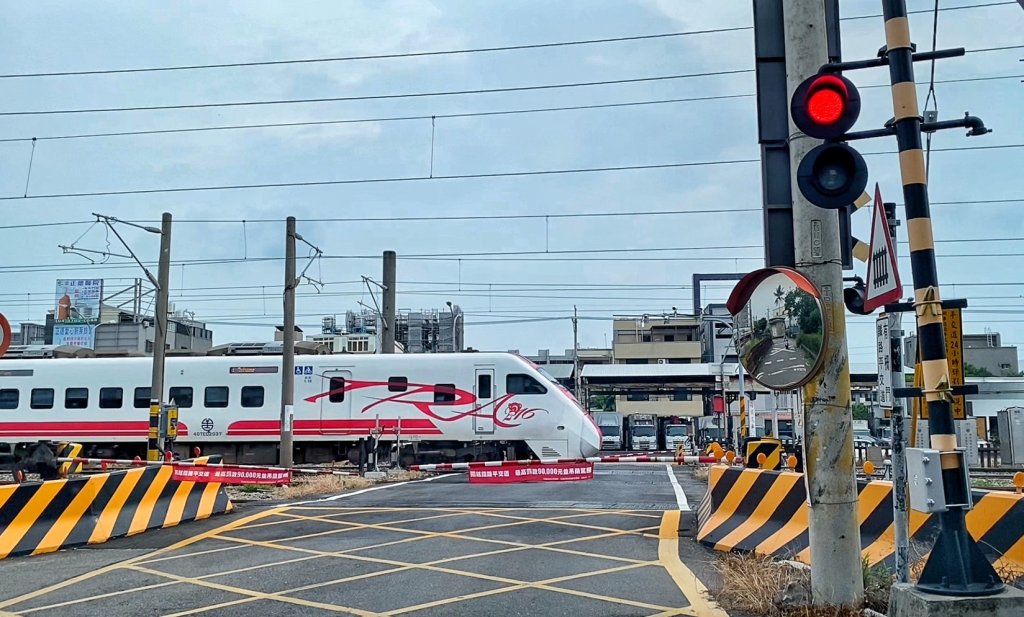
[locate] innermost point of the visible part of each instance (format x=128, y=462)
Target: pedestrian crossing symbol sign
x=883, y=278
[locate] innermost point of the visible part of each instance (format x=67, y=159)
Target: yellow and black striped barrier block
x=771, y=449
x=48, y=516
x=765, y=512
x=69, y=450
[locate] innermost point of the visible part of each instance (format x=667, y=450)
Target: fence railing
x=988, y=456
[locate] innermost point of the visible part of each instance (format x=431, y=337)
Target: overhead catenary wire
x=420, y=54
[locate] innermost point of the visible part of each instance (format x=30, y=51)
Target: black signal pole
x=956, y=566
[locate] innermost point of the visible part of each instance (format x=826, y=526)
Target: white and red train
x=439, y=407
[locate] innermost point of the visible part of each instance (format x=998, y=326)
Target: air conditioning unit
x=662, y=361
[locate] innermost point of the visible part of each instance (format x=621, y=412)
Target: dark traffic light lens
x=832, y=171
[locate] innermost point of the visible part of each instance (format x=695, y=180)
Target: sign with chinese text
x=82, y=335
x=78, y=301
x=229, y=475
x=506, y=474
x=884, y=352
x=952, y=324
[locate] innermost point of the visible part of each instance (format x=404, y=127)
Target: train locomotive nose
x=590, y=437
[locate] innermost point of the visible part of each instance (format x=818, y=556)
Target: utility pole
x=387, y=339
x=834, y=531
x=575, y=354
x=900, y=514
x=288, y=347
x=157, y=420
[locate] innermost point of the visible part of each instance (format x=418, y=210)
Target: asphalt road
x=443, y=546
x=781, y=364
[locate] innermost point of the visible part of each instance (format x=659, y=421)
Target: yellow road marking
x=115, y=566
x=254, y=594
x=685, y=579
x=669, y=525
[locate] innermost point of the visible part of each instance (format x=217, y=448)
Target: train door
x=336, y=406
x=483, y=389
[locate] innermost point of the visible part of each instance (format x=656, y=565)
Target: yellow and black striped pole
x=956, y=565
x=152, y=447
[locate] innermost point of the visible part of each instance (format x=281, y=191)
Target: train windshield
x=546, y=375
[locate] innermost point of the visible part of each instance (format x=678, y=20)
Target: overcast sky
x=242, y=300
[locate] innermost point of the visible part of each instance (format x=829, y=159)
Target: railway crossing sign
x=883, y=278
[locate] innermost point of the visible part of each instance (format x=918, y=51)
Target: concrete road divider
x=766, y=512
x=43, y=517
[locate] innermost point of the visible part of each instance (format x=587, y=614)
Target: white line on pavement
x=680, y=495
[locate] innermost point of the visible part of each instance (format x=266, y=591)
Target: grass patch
x=761, y=586
x=320, y=484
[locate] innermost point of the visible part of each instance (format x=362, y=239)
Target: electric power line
x=527, y=46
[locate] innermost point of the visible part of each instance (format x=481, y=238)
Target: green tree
x=976, y=371
x=602, y=402
x=802, y=308
x=861, y=411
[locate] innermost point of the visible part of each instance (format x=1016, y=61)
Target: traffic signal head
x=853, y=298
x=825, y=106
x=832, y=175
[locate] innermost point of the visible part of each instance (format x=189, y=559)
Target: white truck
x=643, y=434
x=610, y=423
x=675, y=433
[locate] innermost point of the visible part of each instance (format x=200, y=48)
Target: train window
x=9, y=398
x=181, y=396
x=523, y=384
x=444, y=393
x=42, y=398
x=483, y=385
x=252, y=396
x=142, y=398
x=216, y=396
x=337, y=390
x=76, y=398
x=111, y=398
x=398, y=384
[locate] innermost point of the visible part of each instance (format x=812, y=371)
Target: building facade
x=658, y=339
x=984, y=352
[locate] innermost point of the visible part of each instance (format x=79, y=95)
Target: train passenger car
x=439, y=407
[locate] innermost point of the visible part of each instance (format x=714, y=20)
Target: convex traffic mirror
x=779, y=324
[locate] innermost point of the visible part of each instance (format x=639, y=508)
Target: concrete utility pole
x=901, y=516
x=387, y=338
x=836, y=575
x=157, y=421
x=288, y=346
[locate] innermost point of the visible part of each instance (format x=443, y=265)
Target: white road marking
x=680, y=495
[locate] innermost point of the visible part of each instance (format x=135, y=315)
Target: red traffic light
x=825, y=106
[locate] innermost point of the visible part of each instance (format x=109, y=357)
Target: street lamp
x=454, y=319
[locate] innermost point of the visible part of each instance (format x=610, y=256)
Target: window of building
x=42, y=398
x=670, y=338
x=76, y=398
x=680, y=360
x=111, y=398
x=398, y=384
x=181, y=396
x=9, y=398
x=682, y=394
x=149, y=346
x=646, y=338
x=1005, y=366
x=484, y=386
x=638, y=396
x=635, y=361
x=336, y=387
x=252, y=396
x=444, y=393
x=141, y=400
x=216, y=396
x=523, y=384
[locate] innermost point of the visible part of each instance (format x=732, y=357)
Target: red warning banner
x=505, y=474
x=232, y=476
